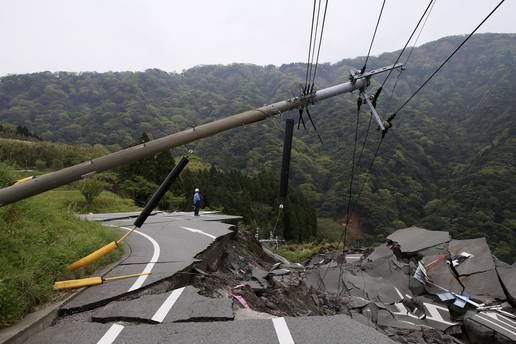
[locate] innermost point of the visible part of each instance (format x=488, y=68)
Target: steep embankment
x=38, y=239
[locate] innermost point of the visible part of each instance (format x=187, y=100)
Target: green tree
x=91, y=188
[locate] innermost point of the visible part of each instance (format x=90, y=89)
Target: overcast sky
x=172, y=35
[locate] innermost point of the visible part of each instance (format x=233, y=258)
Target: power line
x=370, y=168
x=309, y=49
x=350, y=192
x=319, y=48
x=445, y=61
x=409, y=55
x=408, y=41
x=365, y=139
x=372, y=40
x=314, y=42
x=419, y=34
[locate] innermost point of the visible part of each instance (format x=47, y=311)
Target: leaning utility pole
x=67, y=175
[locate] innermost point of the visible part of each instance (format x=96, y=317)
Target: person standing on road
x=197, y=202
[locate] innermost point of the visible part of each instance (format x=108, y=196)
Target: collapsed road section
x=211, y=284
x=423, y=279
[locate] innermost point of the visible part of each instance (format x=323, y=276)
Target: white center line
x=163, y=310
x=111, y=334
x=115, y=329
x=282, y=331
x=200, y=232
x=148, y=268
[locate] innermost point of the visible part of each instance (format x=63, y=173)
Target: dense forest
x=448, y=163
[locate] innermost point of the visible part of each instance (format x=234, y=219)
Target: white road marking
x=111, y=334
x=399, y=293
x=148, y=268
x=163, y=310
x=502, y=319
x=200, y=232
x=282, y=331
x=432, y=310
x=485, y=318
x=115, y=329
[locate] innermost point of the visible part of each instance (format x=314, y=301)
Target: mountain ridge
x=449, y=147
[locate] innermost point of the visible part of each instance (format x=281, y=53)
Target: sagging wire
x=409, y=55
x=308, y=64
x=319, y=48
x=408, y=41
x=372, y=40
x=351, y=179
x=389, y=120
x=311, y=67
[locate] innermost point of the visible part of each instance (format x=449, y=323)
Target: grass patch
x=299, y=253
x=39, y=237
x=73, y=200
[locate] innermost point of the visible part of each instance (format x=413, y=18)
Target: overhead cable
x=408, y=41
x=372, y=40
x=410, y=54
x=309, y=50
x=444, y=62
x=319, y=48
x=314, y=45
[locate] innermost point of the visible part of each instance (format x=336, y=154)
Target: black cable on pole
x=365, y=139
x=309, y=49
x=350, y=193
x=370, y=168
x=319, y=49
x=314, y=41
x=408, y=41
x=445, y=61
x=372, y=40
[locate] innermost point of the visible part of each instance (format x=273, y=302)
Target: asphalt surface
x=303, y=330
x=165, y=245
x=189, y=306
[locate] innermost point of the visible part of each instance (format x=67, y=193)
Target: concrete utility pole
x=67, y=175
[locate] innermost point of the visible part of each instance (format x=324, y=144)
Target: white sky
x=172, y=35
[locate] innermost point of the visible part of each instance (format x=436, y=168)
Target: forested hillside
x=448, y=163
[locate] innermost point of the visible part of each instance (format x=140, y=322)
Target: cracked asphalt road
x=124, y=312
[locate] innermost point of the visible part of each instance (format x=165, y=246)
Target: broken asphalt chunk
x=508, y=279
x=413, y=239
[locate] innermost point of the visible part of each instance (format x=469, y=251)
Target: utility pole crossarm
x=70, y=174
x=373, y=111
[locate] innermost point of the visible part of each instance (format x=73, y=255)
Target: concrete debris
x=489, y=327
x=421, y=279
x=280, y=272
x=413, y=239
x=481, y=260
x=403, y=291
x=508, y=279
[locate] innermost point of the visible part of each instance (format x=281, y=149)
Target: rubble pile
x=421, y=280
x=259, y=280
x=420, y=286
